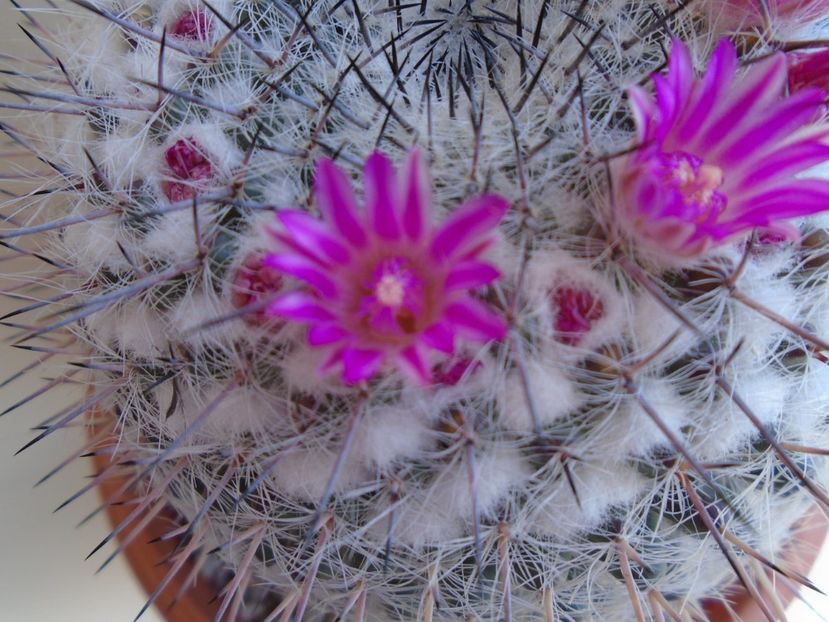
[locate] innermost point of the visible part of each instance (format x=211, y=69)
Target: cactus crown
x=601, y=373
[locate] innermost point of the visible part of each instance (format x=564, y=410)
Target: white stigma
x=390, y=291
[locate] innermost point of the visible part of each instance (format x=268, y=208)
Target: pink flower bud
x=575, y=311
x=192, y=25
x=809, y=69
x=189, y=165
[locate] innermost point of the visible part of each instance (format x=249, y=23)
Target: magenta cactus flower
x=382, y=285
x=719, y=155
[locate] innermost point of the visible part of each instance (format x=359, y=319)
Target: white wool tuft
x=304, y=374
x=95, y=246
x=132, y=327
x=303, y=473
x=127, y=156
x=651, y=325
x=726, y=429
x=497, y=471
x=554, y=396
x=199, y=309
x=173, y=236
x=389, y=435
x=418, y=529
x=631, y=431
x=239, y=412
x=558, y=514
x=758, y=332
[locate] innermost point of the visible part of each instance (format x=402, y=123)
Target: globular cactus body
x=618, y=393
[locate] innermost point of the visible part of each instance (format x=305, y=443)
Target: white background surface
x=43, y=575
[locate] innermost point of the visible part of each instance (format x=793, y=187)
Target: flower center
x=390, y=290
x=392, y=299
x=696, y=186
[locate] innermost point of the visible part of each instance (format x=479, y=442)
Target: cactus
x=433, y=310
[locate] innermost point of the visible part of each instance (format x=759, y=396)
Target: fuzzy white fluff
x=555, y=396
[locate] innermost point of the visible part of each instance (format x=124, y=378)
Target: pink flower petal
x=477, y=217
x=778, y=122
x=414, y=364
x=471, y=275
x=721, y=155
x=666, y=100
x=311, y=233
x=759, y=89
x=717, y=79
x=416, y=191
x=336, y=200
x=325, y=334
x=299, y=307
x=301, y=268
x=288, y=243
x=360, y=364
x=452, y=372
x=784, y=164
x=681, y=71
x=800, y=197
x=380, y=196
x=439, y=337
x=644, y=111
x=476, y=321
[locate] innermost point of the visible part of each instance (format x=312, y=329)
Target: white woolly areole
x=631, y=431
x=194, y=314
x=303, y=473
x=496, y=471
x=95, y=246
x=132, y=327
x=726, y=429
x=554, y=396
x=759, y=333
x=559, y=515
x=389, y=435
x=231, y=413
